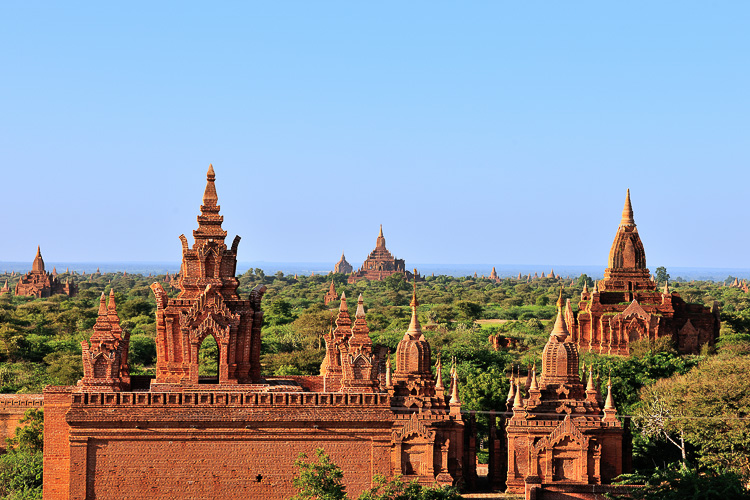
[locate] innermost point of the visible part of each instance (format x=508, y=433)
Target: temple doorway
x=208, y=361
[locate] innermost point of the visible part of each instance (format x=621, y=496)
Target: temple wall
x=209, y=445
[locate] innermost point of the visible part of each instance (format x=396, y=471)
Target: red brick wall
x=208, y=445
x=56, y=446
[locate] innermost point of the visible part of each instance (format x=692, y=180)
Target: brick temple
x=178, y=435
x=380, y=264
x=626, y=305
x=562, y=434
x=342, y=266
x=40, y=283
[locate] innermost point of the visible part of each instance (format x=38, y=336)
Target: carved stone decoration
x=208, y=304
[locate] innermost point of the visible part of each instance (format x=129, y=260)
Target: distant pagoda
x=39, y=283
x=380, y=264
x=342, y=266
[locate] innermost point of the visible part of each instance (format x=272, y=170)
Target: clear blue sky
x=475, y=132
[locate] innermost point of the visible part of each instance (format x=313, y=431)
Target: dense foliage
x=21, y=465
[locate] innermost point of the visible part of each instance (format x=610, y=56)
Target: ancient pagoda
x=330, y=296
x=562, y=433
x=342, y=266
x=39, y=283
x=380, y=264
x=207, y=305
x=105, y=357
x=626, y=306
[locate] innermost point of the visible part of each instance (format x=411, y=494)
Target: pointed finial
x=454, y=394
x=511, y=390
x=596, y=287
x=609, y=404
x=534, y=385
x=343, y=307
x=103, y=305
x=590, y=386
x=518, y=403
x=666, y=287
x=627, y=212
x=415, y=330
x=380, y=235
x=560, y=330
x=585, y=287
x=438, y=373
x=111, y=305
x=210, y=197
x=360, y=307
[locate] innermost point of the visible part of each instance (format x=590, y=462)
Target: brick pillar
x=56, y=442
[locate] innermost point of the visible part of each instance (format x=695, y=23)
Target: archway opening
x=208, y=361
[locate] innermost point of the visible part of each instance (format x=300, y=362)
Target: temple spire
x=455, y=401
x=103, y=305
x=627, y=212
x=534, y=384
x=360, y=307
x=511, y=390
x=210, y=198
x=518, y=402
x=381, y=239
x=560, y=330
x=609, y=404
x=415, y=329
x=38, y=265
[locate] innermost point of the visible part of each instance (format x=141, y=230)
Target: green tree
x=21, y=468
x=319, y=479
x=708, y=407
x=684, y=483
x=469, y=310
x=661, y=275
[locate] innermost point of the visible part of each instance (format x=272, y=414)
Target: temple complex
x=626, y=306
x=380, y=264
x=177, y=435
x=342, y=266
x=562, y=434
x=39, y=283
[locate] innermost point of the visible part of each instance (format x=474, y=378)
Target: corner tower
x=208, y=304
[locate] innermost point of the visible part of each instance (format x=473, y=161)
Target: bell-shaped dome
x=560, y=357
x=413, y=354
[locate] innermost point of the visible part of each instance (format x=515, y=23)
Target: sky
x=475, y=132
